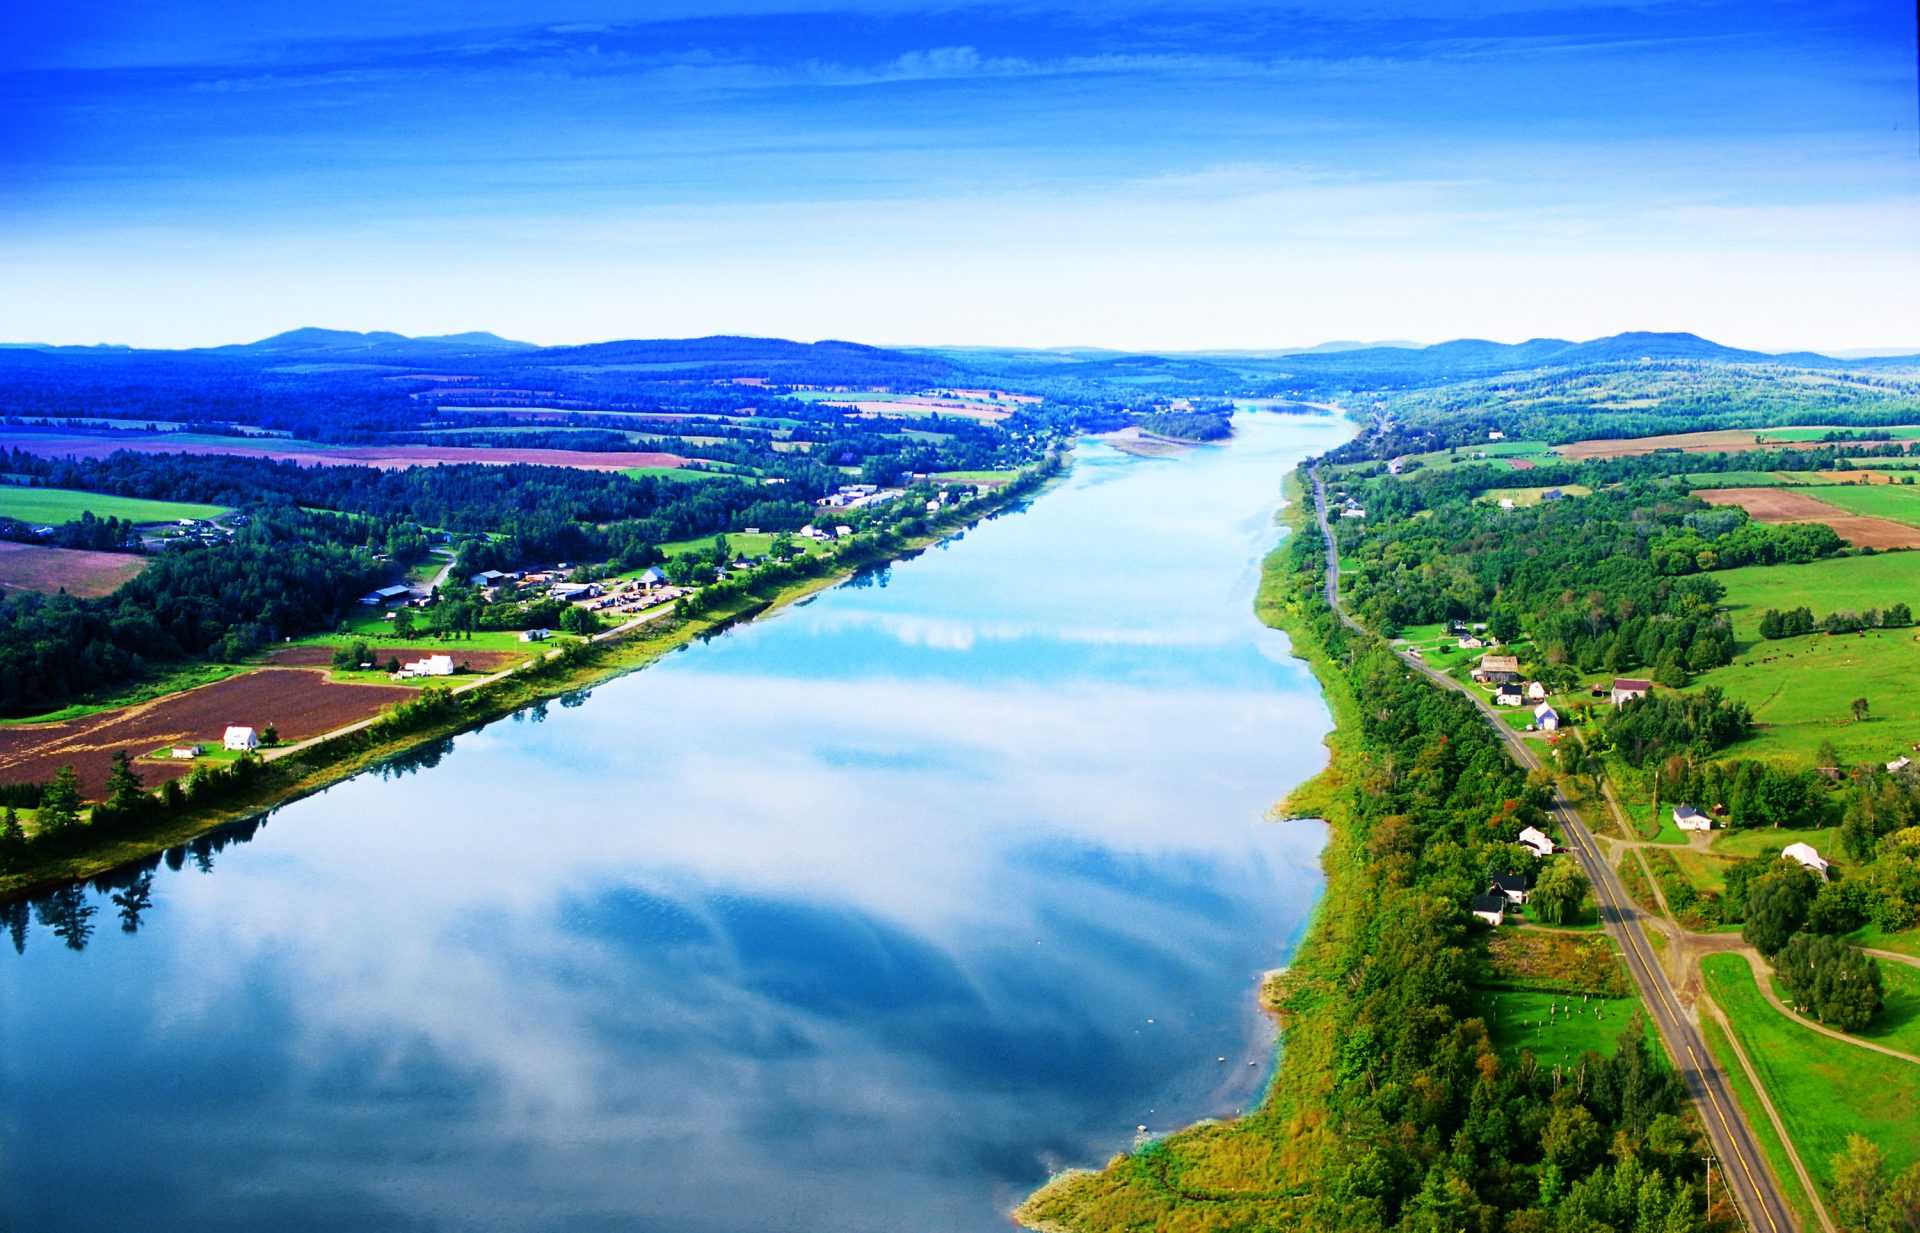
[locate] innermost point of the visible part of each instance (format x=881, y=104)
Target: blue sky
x=1121, y=174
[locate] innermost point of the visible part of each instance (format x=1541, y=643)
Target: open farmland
x=1788, y=505
x=380, y=653
x=385, y=457
x=299, y=702
x=30, y=567
x=56, y=505
x=1719, y=441
x=1898, y=503
x=1850, y=583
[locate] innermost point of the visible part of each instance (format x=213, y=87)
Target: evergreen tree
x=60, y=803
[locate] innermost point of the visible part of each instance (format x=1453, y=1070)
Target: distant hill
x=779, y=360
x=313, y=343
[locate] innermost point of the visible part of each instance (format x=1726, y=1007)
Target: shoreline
x=321, y=762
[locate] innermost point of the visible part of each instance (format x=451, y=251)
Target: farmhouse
x=1687, y=818
x=535, y=635
x=1536, y=839
x=1508, y=695
x=241, y=739
x=1807, y=856
x=1536, y=692
x=1471, y=643
x=1497, y=668
x=432, y=665
x=1494, y=434
x=1512, y=885
x=1546, y=718
x=1626, y=689
x=1489, y=908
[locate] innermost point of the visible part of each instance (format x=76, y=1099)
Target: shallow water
x=861, y=917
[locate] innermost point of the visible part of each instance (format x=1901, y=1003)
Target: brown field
x=1720, y=442
x=1791, y=505
x=29, y=567
x=385, y=457
x=322, y=656
x=300, y=702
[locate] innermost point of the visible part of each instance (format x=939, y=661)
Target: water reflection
x=862, y=917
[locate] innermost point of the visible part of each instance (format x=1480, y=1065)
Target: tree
x=1504, y=625
x=1777, y=907
x=1560, y=892
x=125, y=792
x=1899, y=1209
x=1859, y=1179
x=403, y=623
x=269, y=735
x=13, y=838
x=1859, y=706
x=60, y=803
x=1835, y=983
x=1771, y=624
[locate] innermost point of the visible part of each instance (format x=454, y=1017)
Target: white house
x=1536, y=692
x=1536, y=839
x=432, y=665
x=535, y=635
x=1471, y=643
x=1546, y=718
x=183, y=752
x=1506, y=503
x=1626, y=689
x=1494, y=434
x=1687, y=818
x=1511, y=885
x=241, y=739
x=1491, y=908
x=843, y=532
x=1805, y=854
x=1508, y=695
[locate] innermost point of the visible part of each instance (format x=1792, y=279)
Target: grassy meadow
x=57, y=505
x=1899, y=502
x=1524, y=497
x=1824, y=1089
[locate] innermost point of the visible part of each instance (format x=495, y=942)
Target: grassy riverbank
x=88, y=853
x=1394, y=1104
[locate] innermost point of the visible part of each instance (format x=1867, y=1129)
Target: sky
x=1050, y=173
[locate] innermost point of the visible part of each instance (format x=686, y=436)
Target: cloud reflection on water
x=821, y=925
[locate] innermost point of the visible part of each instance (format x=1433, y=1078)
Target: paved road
x=1743, y=1167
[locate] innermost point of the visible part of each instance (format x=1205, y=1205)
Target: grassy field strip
x=1898, y=1025
x=1825, y=1089
x=57, y=505
x=1764, y=1119
x=1900, y=502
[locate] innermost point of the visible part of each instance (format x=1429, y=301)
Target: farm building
x=1899, y=764
x=240, y=738
x=1509, y=695
x=385, y=595
x=1535, y=838
x=1546, y=718
x=653, y=577
x=1471, y=643
x=1494, y=669
x=432, y=665
x=1805, y=854
x=535, y=635
x=1626, y=689
x=1536, y=692
x=1490, y=908
x=1687, y=818
x=184, y=752
x=488, y=578
x=1552, y=494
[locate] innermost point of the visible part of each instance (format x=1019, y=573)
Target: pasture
x=87, y=575
x=57, y=505
x=1896, y=502
x=1824, y=1089
x=1851, y=582
x=1800, y=691
x=1524, y=497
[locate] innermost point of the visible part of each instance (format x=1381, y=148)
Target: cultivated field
x=30, y=567
x=386, y=457
x=299, y=702
x=1899, y=503
x=1790, y=505
x=56, y=505
x=1721, y=441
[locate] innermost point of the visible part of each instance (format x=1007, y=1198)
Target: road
x=1743, y=1168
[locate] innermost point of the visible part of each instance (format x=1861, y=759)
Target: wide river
x=862, y=917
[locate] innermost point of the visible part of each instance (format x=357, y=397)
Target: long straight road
x=1744, y=1169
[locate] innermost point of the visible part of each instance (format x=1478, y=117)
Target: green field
x=1853, y=582
x=1824, y=1089
x=57, y=505
x=1904, y=432
x=1899, y=502
x=670, y=473
x=1524, y=497
x=1906, y=942
x=1801, y=690
x=976, y=477
x=1522, y=1019
x=1733, y=479
x=739, y=543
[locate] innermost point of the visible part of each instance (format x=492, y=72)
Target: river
x=861, y=917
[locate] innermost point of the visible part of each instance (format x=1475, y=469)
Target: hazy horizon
x=1139, y=177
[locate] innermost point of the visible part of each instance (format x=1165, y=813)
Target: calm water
x=860, y=918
